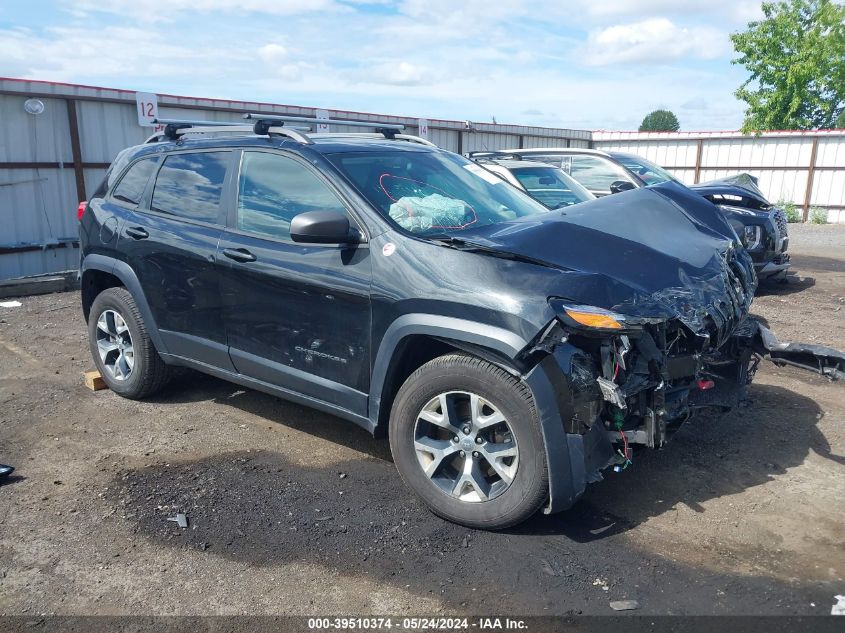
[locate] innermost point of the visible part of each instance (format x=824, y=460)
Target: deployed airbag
x=416, y=213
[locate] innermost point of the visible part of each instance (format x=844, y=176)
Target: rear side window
x=596, y=174
x=132, y=185
x=273, y=189
x=190, y=185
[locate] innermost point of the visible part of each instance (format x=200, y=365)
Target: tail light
x=80, y=210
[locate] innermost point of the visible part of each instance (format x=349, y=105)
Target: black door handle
x=239, y=254
x=137, y=233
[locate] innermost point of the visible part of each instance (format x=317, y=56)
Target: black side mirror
x=321, y=227
x=621, y=185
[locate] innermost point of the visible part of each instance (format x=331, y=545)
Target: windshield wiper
x=461, y=244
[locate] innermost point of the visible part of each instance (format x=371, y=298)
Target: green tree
x=796, y=58
x=840, y=121
x=660, y=121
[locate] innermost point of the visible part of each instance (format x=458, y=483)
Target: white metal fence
x=807, y=168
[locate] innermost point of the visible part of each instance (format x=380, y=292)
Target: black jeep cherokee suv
x=511, y=352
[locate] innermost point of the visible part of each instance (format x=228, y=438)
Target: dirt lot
x=293, y=512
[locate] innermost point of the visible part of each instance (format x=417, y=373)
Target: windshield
x=648, y=171
x=551, y=187
x=432, y=193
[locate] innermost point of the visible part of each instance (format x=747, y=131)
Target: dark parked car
x=761, y=226
x=510, y=352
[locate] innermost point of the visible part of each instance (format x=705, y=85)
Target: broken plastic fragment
x=611, y=392
x=180, y=519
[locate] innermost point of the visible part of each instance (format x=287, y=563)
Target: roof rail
x=275, y=125
x=388, y=130
x=493, y=155
x=176, y=128
x=401, y=137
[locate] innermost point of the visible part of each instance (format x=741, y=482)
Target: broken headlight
x=589, y=317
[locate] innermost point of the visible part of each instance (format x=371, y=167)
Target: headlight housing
x=752, y=236
x=588, y=317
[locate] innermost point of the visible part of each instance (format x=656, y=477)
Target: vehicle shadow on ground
x=780, y=288
x=708, y=458
x=711, y=456
x=355, y=517
x=190, y=386
x=11, y=479
x=813, y=262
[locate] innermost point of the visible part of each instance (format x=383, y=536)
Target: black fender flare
x=499, y=340
x=129, y=279
x=563, y=490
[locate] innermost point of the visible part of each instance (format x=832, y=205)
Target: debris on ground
x=624, y=605
x=547, y=567
x=600, y=582
x=602, y=529
x=839, y=607
x=180, y=519
x=10, y=304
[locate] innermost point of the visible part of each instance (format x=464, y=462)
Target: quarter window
x=596, y=174
x=190, y=185
x=132, y=185
x=273, y=189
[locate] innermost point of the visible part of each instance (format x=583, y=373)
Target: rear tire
x=486, y=467
x=122, y=349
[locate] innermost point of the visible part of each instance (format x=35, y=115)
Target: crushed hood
x=744, y=185
x=657, y=252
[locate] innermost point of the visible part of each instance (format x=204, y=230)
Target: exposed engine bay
x=643, y=384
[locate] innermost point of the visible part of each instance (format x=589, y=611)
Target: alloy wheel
x=465, y=446
x=114, y=342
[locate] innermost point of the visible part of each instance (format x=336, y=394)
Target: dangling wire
x=626, y=454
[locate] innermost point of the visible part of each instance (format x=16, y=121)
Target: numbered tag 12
x=146, y=105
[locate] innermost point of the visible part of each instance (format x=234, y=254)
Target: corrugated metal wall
x=784, y=162
x=39, y=175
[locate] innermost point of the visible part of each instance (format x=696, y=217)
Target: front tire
x=122, y=349
x=465, y=437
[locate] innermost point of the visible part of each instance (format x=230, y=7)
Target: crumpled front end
x=652, y=297
x=625, y=381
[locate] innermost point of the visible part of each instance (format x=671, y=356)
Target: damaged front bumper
x=599, y=395
x=824, y=360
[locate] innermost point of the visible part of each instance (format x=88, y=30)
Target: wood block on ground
x=94, y=381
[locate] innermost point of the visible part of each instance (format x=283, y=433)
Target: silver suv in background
x=761, y=226
x=550, y=186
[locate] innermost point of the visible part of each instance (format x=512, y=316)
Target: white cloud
x=400, y=73
x=273, y=53
x=731, y=13
x=524, y=62
x=165, y=10
x=69, y=53
x=652, y=41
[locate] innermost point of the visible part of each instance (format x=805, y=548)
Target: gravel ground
x=295, y=512
x=811, y=237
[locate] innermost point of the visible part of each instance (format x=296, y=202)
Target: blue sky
x=582, y=64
